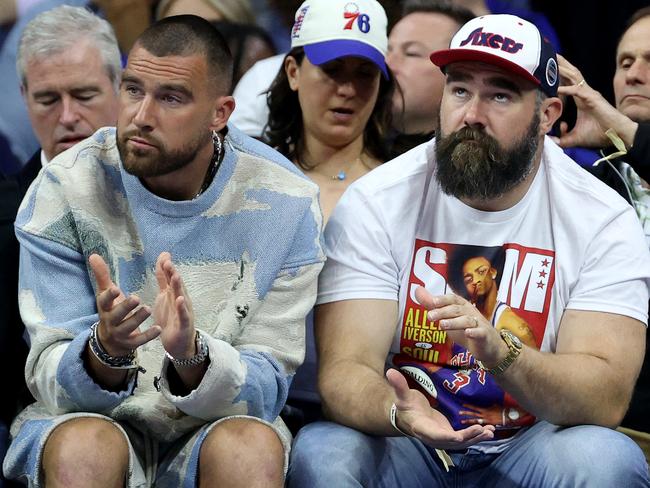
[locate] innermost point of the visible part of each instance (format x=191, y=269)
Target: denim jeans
x=326, y=454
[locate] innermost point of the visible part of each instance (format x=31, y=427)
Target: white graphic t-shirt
x=570, y=243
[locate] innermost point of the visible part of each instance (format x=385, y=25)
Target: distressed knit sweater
x=248, y=250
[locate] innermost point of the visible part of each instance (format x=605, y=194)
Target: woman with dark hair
x=330, y=105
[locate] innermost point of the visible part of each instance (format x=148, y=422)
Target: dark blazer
x=13, y=349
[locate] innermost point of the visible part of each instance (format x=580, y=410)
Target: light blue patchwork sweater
x=248, y=250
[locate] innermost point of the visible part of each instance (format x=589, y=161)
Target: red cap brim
x=446, y=56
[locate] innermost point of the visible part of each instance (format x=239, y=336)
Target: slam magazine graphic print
x=511, y=286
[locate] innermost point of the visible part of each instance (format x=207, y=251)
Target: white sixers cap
x=509, y=42
x=330, y=29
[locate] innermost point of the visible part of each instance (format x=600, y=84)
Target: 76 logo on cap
x=352, y=13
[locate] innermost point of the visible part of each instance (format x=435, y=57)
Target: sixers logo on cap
x=495, y=41
x=551, y=72
x=297, y=25
x=333, y=29
x=351, y=14
x=506, y=41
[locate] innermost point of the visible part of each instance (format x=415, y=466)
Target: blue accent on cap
x=547, y=72
x=323, y=52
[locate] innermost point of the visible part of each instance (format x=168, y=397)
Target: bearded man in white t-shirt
x=420, y=388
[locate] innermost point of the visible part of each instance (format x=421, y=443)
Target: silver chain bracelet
x=115, y=362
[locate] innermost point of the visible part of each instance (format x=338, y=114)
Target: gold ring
x=582, y=82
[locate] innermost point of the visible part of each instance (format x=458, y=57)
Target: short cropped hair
x=186, y=35
x=444, y=7
x=57, y=30
x=634, y=18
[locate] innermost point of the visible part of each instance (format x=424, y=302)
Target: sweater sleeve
x=57, y=304
x=639, y=155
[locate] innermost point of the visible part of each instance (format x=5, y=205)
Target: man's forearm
x=110, y=379
x=567, y=389
x=362, y=403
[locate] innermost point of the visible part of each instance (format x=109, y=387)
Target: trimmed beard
x=474, y=165
x=161, y=162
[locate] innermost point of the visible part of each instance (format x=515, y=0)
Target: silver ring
x=480, y=421
x=475, y=321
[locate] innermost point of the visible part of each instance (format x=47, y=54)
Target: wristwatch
x=200, y=356
x=514, y=344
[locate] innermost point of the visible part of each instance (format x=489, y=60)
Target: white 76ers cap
x=509, y=42
x=331, y=29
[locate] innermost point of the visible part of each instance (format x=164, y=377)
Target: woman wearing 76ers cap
x=330, y=103
x=330, y=108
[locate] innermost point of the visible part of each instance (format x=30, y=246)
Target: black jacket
x=13, y=349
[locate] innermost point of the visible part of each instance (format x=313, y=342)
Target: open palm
x=172, y=310
x=428, y=424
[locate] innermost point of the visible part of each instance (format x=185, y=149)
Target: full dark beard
x=472, y=164
x=149, y=164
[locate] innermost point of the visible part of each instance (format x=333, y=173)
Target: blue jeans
x=328, y=455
